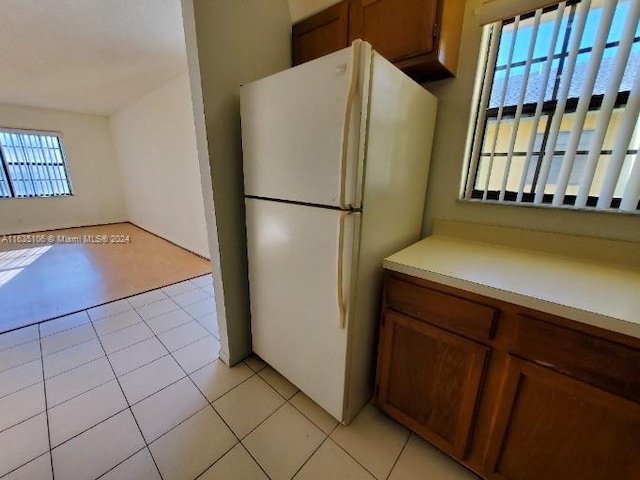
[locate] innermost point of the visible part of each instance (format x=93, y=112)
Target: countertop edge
x=581, y=316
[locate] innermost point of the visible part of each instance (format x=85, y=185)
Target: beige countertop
x=588, y=292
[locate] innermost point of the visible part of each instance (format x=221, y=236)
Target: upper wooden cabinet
x=422, y=37
x=399, y=29
x=321, y=34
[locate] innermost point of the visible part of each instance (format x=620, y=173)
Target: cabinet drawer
x=441, y=309
x=609, y=365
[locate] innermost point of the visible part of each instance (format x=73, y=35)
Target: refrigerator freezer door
x=292, y=132
x=294, y=278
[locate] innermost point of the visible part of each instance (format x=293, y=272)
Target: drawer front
x=441, y=309
x=608, y=365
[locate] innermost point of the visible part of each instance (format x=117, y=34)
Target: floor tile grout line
x=23, y=388
x=286, y=401
x=189, y=344
x=312, y=454
x=46, y=406
x=22, y=364
x=6, y=475
x=220, y=458
x=193, y=317
x=98, y=358
x=80, y=394
x=406, y=442
x=18, y=344
x=351, y=456
x=123, y=461
x=307, y=417
x=128, y=403
x=128, y=407
x=76, y=435
x=210, y=404
x=93, y=322
x=111, y=380
x=91, y=361
x=258, y=426
x=24, y=420
x=74, y=368
x=327, y=435
x=49, y=354
x=181, y=367
x=182, y=325
x=141, y=366
x=70, y=346
x=162, y=313
x=235, y=435
x=66, y=330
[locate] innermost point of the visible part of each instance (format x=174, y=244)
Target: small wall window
x=33, y=165
x=557, y=118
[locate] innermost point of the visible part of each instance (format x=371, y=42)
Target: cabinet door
x=429, y=380
x=321, y=34
x=397, y=29
x=549, y=426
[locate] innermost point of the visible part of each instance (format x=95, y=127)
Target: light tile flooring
x=133, y=390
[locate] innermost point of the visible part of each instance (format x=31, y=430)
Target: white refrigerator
x=336, y=156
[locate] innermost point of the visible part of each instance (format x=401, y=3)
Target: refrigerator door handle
x=355, y=75
x=341, y=302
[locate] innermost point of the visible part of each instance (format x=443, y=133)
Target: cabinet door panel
x=430, y=380
x=324, y=33
x=396, y=28
x=552, y=427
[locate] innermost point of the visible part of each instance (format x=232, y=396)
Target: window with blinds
x=33, y=165
x=557, y=120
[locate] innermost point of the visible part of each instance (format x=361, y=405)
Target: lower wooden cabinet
x=430, y=380
x=550, y=426
x=511, y=393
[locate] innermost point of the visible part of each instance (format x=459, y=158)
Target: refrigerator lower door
x=299, y=281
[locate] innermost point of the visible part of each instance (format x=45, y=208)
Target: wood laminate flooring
x=74, y=269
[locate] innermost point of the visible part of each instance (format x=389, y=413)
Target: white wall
x=455, y=101
x=92, y=167
x=230, y=43
x=155, y=142
x=301, y=9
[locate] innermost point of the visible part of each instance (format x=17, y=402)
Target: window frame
x=5, y=171
x=481, y=114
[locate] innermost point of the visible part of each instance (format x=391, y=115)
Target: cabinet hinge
x=436, y=30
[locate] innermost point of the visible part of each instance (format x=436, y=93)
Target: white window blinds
x=557, y=120
x=32, y=164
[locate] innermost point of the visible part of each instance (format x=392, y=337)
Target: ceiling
x=91, y=56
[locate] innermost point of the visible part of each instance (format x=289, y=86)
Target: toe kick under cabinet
x=510, y=392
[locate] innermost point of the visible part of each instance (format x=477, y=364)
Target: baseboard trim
x=167, y=240
x=30, y=232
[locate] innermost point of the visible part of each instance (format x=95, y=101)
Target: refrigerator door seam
x=303, y=204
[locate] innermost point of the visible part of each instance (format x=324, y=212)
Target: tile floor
x=133, y=390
